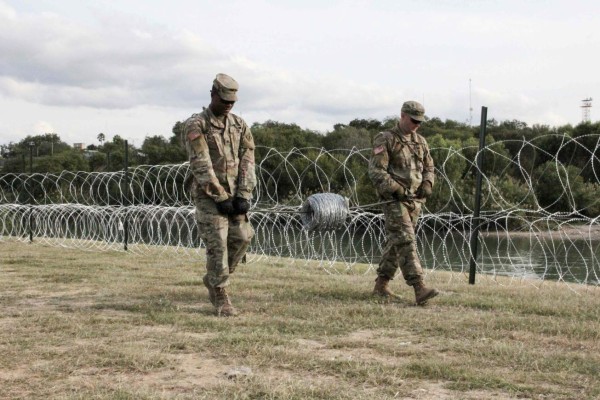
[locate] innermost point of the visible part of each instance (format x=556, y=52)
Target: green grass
x=88, y=325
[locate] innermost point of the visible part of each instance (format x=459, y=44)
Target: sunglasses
x=227, y=102
x=414, y=121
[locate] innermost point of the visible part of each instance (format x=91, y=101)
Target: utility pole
x=470, y=105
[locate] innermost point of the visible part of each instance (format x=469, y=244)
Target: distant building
x=78, y=146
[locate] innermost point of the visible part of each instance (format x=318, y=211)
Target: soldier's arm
x=428, y=167
x=378, y=168
x=246, y=172
x=200, y=162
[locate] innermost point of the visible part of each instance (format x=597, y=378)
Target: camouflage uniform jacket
x=221, y=156
x=399, y=161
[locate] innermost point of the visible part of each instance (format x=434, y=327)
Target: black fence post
x=475, y=221
x=30, y=190
x=126, y=201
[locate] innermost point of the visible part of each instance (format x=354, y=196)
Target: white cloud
x=41, y=127
x=114, y=69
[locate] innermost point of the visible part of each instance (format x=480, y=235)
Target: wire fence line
x=521, y=234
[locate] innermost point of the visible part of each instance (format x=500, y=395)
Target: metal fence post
x=126, y=199
x=31, y=199
x=475, y=221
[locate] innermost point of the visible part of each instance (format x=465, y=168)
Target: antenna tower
x=585, y=109
x=470, y=105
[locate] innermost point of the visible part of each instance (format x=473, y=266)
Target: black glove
x=241, y=205
x=401, y=194
x=225, y=207
x=424, y=190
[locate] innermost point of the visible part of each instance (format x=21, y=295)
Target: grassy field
x=90, y=325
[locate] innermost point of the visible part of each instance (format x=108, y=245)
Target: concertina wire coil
x=300, y=211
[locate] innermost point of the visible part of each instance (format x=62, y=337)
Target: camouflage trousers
x=226, y=239
x=400, y=250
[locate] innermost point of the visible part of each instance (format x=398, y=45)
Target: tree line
x=519, y=158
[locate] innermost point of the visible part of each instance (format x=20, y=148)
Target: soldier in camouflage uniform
x=220, y=147
x=401, y=169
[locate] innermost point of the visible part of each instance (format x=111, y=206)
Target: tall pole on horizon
x=470, y=105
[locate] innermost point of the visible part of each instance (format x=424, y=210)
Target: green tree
x=368, y=124
x=347, y=137
x=159, y=150
x=450, y=182
x=43, y=145
x=284, y=136
x=97, y=161
x=175, y=138
x=65, y=161
x=560, y=188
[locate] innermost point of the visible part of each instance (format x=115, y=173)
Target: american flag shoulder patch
x=378, y=150
x=193, y=136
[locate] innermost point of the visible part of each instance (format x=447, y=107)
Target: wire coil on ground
x=324, y=211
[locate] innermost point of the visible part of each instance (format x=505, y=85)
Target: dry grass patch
x=83, y=325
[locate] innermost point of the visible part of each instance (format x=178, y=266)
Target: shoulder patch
x=193, y=136
x=378, y=149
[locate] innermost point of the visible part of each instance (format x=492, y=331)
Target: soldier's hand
x=401, y=194
x=225, y=207
x=424, y=190
x=241, y=205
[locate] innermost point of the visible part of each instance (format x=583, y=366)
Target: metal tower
x=470, y=105
x=585, y=109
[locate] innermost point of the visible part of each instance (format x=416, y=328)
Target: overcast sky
x=134, y=68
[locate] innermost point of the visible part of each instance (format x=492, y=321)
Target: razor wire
x=294, y=217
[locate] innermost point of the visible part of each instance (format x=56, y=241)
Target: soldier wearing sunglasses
x=401, y=169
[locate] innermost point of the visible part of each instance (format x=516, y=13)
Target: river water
x=570, y=260
x=519, y=256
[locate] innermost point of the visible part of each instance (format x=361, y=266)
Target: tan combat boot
x=422, y=293
x=381, y=288
x=223, y=307
x=211, y=290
